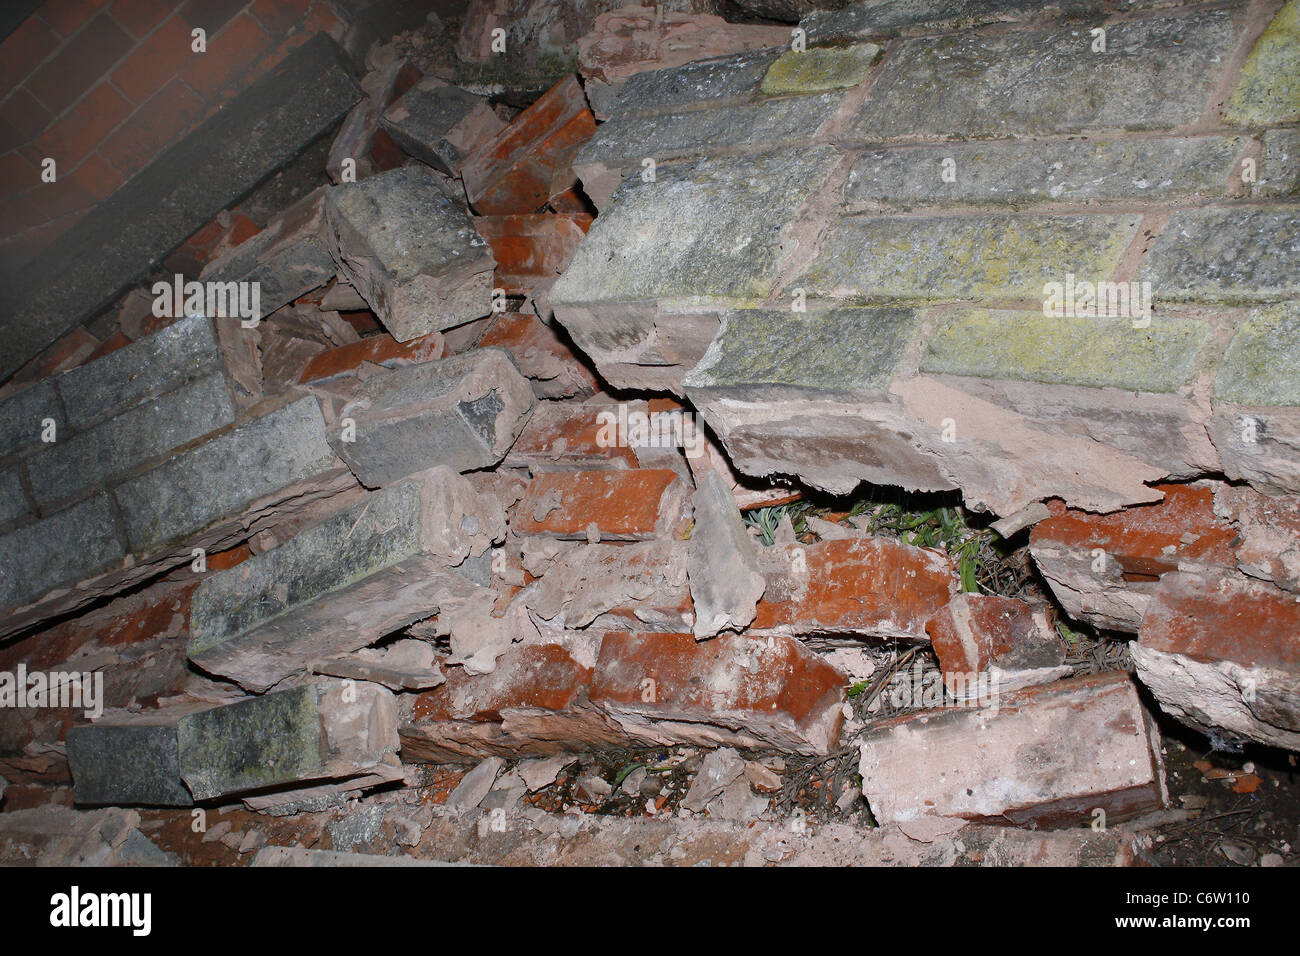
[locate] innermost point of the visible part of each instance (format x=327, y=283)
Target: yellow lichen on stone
x=1269, y=89
x=820, y=70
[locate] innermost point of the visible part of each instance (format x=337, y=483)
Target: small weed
x=767, y=520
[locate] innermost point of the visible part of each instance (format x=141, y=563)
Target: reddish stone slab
x=747, y=691
x=876, y=587
x=525, y=164
x=1045, y=756
x=381, y=349
x=632, y=505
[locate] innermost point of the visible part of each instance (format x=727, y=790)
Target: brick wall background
x=103, y=86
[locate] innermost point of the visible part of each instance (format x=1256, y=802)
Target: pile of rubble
x=439, y=495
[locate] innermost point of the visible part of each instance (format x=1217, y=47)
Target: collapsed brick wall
x=383, y=521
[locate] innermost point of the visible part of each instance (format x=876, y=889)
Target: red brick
x=542, y=676
x=572, y=202
x=117, y=340
x=978, y=633
x=750, y=692
x=22, y=212
x=564, y=436
x=516, y=170
x=81, y=129
x=67, y=16
x=534, y=702
x=21, y=118
x=321, y=19
x=278, y=16
x=380, y=349
x=231, y=54
x=141, y=16
x=156, y=60
x=214, y=240
x=71, y=349
x=1224, y=619
x=384, y=153
x=364, y=322
x=542, y=355
x=31, y=242
x=874, y=587
x=1045, y=756
x=1148, y=540
x=633, y=505
x=531, y=249
x=80, y=63
x=1135, y=547
x=165, y=118
x=17, y=174
x=23, y=50
x=211, y=15
x=64, y=195
x=97, y=177
x=225, y=560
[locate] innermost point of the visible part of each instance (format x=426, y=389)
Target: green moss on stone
x=1096, y=353
x=1269, y=88
x=815, y=71
x=1262, y=364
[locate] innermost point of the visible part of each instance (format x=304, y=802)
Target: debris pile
x=395, y=519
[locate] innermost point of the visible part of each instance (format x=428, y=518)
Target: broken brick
x=1223, y=654
x=381, y=349
x=743, y=691
x=632, y=505
x=1010, y=640
x=214, y=240
x=639, y=586
x=563, y=436
x=531, y=249
x=525, y=164
x=875, y=587
x=535, y=701
x=541, y=355
x=1268, y=533
x=1046, y=756
x=1103, y=567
